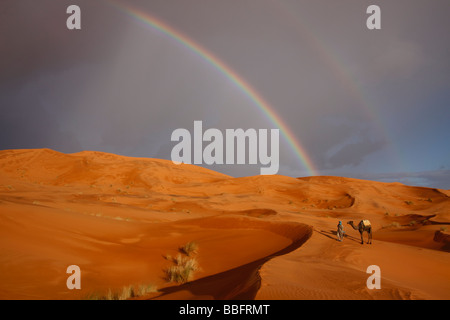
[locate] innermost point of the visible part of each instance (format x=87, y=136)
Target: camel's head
x=350, y=222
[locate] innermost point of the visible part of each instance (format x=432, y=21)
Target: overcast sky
x=371, y=104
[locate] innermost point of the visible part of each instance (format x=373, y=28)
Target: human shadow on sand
x=332, y=234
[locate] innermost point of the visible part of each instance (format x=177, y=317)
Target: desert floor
x=122, y=220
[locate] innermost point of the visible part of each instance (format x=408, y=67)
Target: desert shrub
x=177, y=274
x=179, y=260
x=184, y=265
x=168, y=257
x=145, y=289
x=183, y=270
x=112, y=295
x=127, y=292
x=93, y=296
x=189, y=248
x=392, y=225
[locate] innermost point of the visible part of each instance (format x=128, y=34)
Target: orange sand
x=263, y=237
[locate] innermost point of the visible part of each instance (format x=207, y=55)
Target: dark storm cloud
x=34, y=36
x=38, y=87
x=29, y=125
x=353, y=154
x=349, y=95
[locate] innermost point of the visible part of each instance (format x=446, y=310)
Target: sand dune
x=265, y=237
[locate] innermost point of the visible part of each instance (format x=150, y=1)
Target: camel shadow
x=332, y=234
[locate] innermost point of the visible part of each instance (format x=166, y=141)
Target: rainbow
x=229, y=73
x=341, y=71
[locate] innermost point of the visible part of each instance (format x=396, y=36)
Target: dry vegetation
x=189, y=248
x=184, y=265
x=127, y=292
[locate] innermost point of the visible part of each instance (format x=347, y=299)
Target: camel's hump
x=366, y=223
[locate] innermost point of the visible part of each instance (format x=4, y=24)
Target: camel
x=363, y=225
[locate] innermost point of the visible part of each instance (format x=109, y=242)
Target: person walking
x=340, y=231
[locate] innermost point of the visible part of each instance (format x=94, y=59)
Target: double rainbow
x=229, y=73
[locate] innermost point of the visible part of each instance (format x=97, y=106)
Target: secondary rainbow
x=220, y=66
x=341, y=70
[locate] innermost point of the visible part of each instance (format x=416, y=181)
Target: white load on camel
x=366, y=223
